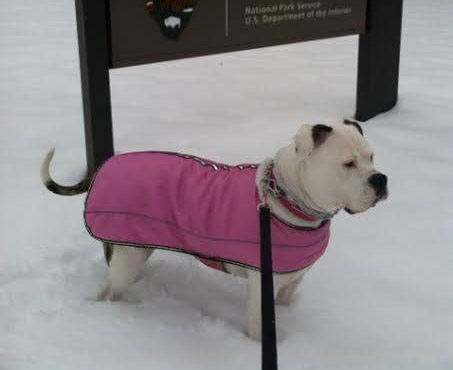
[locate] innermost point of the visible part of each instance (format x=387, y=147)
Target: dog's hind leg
x=126, y=265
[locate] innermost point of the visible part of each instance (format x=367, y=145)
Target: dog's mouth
x=375, y=202
x=380, y=198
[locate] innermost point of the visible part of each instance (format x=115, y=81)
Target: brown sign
x=146, y=31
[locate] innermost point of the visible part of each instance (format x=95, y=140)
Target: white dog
x=325, y=169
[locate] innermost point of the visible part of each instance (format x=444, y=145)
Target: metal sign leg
x=92, y=26
x=379, y=57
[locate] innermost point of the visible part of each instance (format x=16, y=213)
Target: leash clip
x=262, y=205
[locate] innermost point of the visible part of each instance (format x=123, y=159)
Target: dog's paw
x=254, y=331
x=103, y=293
x=284, y=299
x=109, y=294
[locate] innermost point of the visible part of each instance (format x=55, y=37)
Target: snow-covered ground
x=381, y=297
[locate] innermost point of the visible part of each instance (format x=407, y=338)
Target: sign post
x=145, y=34
x=121, y=33
x=379, y=59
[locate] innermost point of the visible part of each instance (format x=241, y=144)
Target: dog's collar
x=288, y=200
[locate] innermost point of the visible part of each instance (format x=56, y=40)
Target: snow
x=381, y=297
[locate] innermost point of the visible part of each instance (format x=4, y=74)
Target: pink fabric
x=195, y=206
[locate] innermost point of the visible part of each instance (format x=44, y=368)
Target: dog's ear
x=309, y=137
x=320, y=133
x=303, y=142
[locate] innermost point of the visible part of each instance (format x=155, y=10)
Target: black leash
x=269, y=337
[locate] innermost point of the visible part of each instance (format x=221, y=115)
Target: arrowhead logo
x=172, y=16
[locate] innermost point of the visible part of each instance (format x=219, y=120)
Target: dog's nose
x=378, y=182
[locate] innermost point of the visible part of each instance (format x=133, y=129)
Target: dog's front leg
x=284, y=286
x=285, y=293
x=254, y=300
x=254, y=305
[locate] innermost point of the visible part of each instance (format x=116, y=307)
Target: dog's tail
x=50, y=184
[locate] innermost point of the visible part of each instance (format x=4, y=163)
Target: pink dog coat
x=187, y=204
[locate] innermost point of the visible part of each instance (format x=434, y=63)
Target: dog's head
x=337, y=167
x=171, y=15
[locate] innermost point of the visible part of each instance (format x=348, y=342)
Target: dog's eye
x=372, y=158
x=349, y=164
